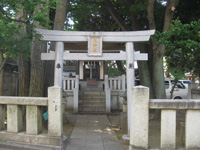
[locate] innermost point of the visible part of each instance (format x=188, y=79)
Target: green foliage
x=159, y=12
x=112, y=69
x=139, y=8
x=89, y=16
x=187, y=11
x=16, y=32
x=10, y=41
x=182, y=43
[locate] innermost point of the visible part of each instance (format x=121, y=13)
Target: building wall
x=10, y=85
x=116, y=100
x=195, y=94
x=68, y=100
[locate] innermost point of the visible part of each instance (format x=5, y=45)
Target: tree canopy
x=12, y=42
x=182, y=43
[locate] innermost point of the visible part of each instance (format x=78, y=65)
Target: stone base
x=136, y=148
x=55, y=143
x=123, y=121
x=126, y=139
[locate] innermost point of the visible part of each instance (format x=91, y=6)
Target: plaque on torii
x=94, y=45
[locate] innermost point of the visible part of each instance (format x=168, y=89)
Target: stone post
x=108, y=95
x=108, y=100
x=101, y=70
x=168, y=129
x=189, y=91
x=58, y=76
x=81, y=69
x=130, y=73
x=64, y=85
x=139, y=125
x=123, y=82
x=14, y=118
x=2, y=118
x=55, y=117
x=76, y=90
x=106, y=82
x=33, y=120
x=192, y=129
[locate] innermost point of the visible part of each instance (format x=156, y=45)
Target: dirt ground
x=69, y=123
x=154, y=129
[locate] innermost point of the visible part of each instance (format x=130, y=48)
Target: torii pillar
x=130, y=77
x=55, y=112
x=58, y=73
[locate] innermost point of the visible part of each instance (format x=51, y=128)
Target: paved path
x=93, y=132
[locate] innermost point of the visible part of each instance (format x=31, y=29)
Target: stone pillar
x=130, y=78
x=123, y=82
x=192, y=129
x=33, y=120
x=108, y=95
x=168, y=129
x=2, y=118
x=90, y=71
x=81, y=69
x=189, y=96
x=76, y=91
x=101, y=70
x=108, y=101
x=139, y=125
x=77, y=67
x=58, y=74
x=14, y=118
x=55, y=118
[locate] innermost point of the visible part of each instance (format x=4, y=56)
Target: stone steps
x=85, y=101
x=92, y=102
x=81, y=93
x=84, y=87
x=91, y=89
x=92, y=98
x=92, y=109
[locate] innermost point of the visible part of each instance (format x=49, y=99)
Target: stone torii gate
x=95, y=52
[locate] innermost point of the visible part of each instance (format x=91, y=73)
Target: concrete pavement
x=93, y=132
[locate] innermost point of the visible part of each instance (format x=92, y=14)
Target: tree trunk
x=59, y=20
x=158, y=73
x=24, y=76
x=144, y=69
x=37, y=65
x=3, y=61
x=37, y=69
x=158, y=50
x=120, y=67
x=23, y=65
x=111, y=9
x=60, y=16
x=173, y=87
x=1, y=73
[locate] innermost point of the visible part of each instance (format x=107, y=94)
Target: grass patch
x=3, y=140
